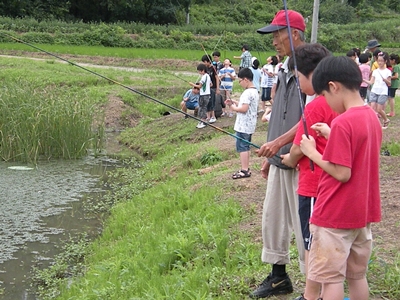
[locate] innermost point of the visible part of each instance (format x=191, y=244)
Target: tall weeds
x=49, y=122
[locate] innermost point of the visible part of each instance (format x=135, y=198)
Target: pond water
x=39, y=208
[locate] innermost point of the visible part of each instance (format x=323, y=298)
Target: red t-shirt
x=354, y=142
x=316, y=111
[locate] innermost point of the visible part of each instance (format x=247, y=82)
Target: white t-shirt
x=267, y=81
x=206, y=82
x=246, y=122
x=380, y=87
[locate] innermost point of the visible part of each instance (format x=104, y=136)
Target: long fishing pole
x=129, y=88
x=296, y=75
x=170, y=73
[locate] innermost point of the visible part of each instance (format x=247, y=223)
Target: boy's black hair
x=307, y=57
x=341, y=69
x=202, y=67
x=357, y=51
x=395, y=57
x=350, y=53
x=245, y=47
x=255, y=64
x=206, y=58
x=197, y=83
x=245, y=73
x=216, y=53
x=363, y=58
x=376, y=52
x=274, y=60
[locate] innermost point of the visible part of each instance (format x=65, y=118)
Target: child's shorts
x=306, y=205
x=242, y=146
x=392, y=92
x=363, y=92
x=337, y=254
x=192, y=105
x=380, y=99
x=266, y=94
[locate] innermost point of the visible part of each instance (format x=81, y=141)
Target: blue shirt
x=193, y=98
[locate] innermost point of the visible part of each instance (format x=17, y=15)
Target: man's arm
x=269, y=149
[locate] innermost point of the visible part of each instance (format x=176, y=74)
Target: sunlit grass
x=133, y=53
x=48, y=123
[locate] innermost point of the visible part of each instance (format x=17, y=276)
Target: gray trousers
x=281, y=218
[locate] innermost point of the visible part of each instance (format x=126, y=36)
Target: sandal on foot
x=386, y=123
x=241, y=174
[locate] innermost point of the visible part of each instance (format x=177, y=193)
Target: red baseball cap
x=296, y=21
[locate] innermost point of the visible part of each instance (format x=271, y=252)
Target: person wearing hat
x=372, y=45
x=280, y=209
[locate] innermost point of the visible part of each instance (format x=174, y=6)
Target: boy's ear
x=334, y=86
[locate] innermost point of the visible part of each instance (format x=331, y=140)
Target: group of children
x=380, y=73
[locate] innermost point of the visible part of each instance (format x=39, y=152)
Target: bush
x=38, y=38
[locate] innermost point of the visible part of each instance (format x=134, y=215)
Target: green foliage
x=44, y=115
x=332, y=11
x=69, y=262
x=384, y=276
x=38, y=38
x=392, y=148
x=179, y=36
x=210, y=158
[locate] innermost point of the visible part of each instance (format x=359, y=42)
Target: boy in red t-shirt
x=308, y=56
x=348, y=191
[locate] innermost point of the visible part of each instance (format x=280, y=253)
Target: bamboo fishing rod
x=129, y=88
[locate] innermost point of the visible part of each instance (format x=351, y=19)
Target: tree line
x=164, y=12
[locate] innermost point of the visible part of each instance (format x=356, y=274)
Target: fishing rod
x=296, y=75
x=129, y=88
x=170, y=73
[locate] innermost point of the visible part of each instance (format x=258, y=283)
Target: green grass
x=172, y=233
x=191, y=55
x=45, y=123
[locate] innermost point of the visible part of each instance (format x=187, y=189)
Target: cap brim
x=370, y=47
x=270, y=28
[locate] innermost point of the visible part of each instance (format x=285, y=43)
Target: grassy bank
x=181, y=228
x=186, y=230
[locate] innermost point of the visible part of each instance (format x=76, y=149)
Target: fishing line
x=131, y=89
x=296, y=76
x=170, y=73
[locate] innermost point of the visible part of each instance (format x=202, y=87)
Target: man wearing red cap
x=280, y=211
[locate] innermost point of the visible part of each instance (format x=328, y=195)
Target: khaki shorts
x=337, y=254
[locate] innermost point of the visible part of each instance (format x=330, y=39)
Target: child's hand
x=307, y=145
x=322, y=129
x=286, y=160
x=228, y=102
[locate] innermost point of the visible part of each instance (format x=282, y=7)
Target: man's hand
x=265, y=169
x=269, y=149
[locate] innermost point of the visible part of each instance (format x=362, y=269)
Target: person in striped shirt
x=227, y=75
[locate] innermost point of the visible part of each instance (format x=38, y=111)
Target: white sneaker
x=201, y=125
x=212, y=120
